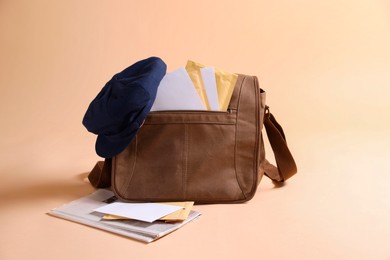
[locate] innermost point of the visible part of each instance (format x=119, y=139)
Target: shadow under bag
x=201, y=156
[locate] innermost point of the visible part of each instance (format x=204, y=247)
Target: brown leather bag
x=201, y=156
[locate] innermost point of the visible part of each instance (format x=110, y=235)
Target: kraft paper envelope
x=177, y=92
x=225, y=85
x=179, y=215
x=210, y=84
x=226, y=82
x=196, y=77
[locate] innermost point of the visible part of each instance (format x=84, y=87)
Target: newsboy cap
x=120, y=108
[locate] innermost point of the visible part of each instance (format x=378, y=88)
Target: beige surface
x=324, y=64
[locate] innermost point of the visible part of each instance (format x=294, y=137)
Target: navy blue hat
x=120, y=108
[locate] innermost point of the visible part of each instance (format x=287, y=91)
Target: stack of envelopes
x=195, y=87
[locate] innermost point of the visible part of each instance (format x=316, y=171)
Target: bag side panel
x=261, y=159
x=248, y=136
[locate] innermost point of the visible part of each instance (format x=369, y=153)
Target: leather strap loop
x=285, y=164
x=100, y=176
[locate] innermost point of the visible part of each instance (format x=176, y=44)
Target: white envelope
x=177, y=92
x=210, y=84
x=148, y=212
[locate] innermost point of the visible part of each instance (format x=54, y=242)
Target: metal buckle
x=267, y=110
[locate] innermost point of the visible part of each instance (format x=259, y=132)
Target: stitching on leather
x=185, y=170
x=128, y=182
x=235, y=143
x=257, y=136
x=113, y=170
x=187, y=152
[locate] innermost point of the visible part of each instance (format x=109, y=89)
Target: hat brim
x=108, y=147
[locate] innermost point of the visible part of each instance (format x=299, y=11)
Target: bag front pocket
x=180, y=155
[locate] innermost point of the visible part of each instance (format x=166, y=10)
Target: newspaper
x=82, y=211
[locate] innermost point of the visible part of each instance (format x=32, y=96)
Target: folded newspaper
x=82, y=211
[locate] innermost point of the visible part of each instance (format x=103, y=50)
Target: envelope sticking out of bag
x=179, y=215
x=197, y=80
x=225, y=83
x=210, y=85
x=176, y=92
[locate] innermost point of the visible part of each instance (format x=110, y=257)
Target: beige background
x=324, y=64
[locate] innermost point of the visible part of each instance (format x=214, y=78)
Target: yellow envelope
x=194, y=72
x=226, y=82
x=179, y=215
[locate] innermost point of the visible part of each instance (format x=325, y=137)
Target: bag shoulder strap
x=285, y=164
x=100, y=176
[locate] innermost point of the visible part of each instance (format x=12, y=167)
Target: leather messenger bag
x=201, y=156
